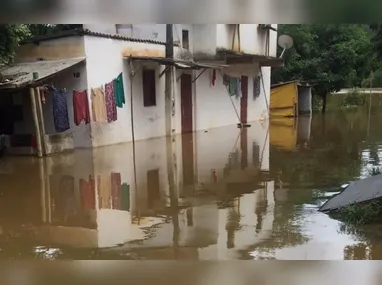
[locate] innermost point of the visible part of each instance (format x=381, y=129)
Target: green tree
x=10, y=36
x=46, y=29
x=327, y=56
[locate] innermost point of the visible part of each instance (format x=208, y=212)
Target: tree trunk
x=324, y=104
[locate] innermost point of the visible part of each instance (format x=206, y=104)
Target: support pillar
x=40, y=115
x=36, y=122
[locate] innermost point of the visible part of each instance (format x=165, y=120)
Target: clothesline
x=104, y=102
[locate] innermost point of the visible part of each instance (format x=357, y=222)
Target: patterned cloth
x=111, y=107
x=60, y=111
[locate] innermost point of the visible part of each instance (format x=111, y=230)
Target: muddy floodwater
x=225, y=194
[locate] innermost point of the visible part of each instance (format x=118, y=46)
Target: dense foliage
x=12, y=34
x=328, y=56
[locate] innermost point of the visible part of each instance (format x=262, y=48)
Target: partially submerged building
x=291, y=99
x=105, y=84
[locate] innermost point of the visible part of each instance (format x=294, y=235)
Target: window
x=124, y=29
x=148, y=82
x=185, y=39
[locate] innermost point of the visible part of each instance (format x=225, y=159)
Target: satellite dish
x=286, y=42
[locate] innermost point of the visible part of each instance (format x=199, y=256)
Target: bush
x=361, y=213
x=354, y=99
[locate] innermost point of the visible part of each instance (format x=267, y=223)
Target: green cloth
x=232, y=86
x=119, y=91
x=125, y=197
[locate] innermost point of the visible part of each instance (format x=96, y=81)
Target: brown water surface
x=216, y=195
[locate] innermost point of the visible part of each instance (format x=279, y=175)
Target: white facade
x=212, y=107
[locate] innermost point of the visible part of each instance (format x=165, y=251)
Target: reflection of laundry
x=234, y=160
x=125, y=197
x=104, y=191
x=255, y=155
x=87, y=194
x=116, y=190
x=67, y=195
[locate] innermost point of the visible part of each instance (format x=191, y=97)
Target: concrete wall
x=208, y=97
x=209, y=37
x=55, y=49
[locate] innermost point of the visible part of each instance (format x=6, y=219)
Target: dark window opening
x=185, y=39
x=148, y=81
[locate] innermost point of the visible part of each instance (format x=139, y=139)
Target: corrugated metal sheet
x=283, y=100
x=21, y=74
x=178, y=63
x=82, y=32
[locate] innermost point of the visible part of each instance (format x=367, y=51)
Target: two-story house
x=222, y=78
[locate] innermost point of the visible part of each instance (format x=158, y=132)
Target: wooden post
x=41, y=120
x=36, y=122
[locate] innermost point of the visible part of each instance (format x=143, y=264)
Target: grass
x=361, y=213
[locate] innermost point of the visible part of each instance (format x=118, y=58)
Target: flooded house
x=104, y=84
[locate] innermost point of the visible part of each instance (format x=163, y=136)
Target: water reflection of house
x=81, y=202
x=288, y=133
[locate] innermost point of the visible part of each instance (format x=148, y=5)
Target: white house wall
x=204, y=39
x=213, y=107
x=209, y=37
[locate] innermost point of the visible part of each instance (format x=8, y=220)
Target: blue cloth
x=2, y=141
x=60, y=111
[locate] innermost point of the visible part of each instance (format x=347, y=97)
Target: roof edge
x=83, y=32
x=297, y=82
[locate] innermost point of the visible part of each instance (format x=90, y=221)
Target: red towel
x=87, y=194
x=213, y=77
x=81, y=107
x=116, y=190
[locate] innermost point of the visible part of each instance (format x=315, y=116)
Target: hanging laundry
x=43, y=90
x=125, y=197
x=104, y=191
x=226, y=80
x=111, y=107
x=116, y=190
x=238, y=91
x=99, y=105
x=256, y=87
x=119, y=91
x=213, y=77
x=60, y=111
x=232, y=86
x=81, y=107
x=87, y=194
